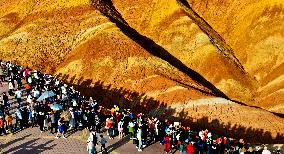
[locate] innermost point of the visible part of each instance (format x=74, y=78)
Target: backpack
x=164, y=141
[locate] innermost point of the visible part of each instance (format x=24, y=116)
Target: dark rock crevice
x=106, y=7
x=215, y=38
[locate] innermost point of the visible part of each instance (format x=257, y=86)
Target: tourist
x=25, y=116
x=190, y=148
x=91, y=146
x=72, y=119
x=32, y=117
x=103, y=144
x=151, y=127
x=2, y=75
x=40, y=120
x=109, y=127
x=45, y=122
x=9, y=124
x=167, y=143
x=144, y=128
x=250, y=151
x=97, y=123
x=53, y=122
x=36, y=93
x=5, y=100
x=11, y=88
x=120, y=128
x=2, y=130
x=28, y=88
x=131, y=129
x=19, y=118
x=209, y=143
x=29, y=99
x=18, y=94
x=60, y=129
x=139, y=138
x=265, y=151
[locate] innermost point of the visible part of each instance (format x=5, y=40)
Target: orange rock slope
x=254, y=29
x=164, y=50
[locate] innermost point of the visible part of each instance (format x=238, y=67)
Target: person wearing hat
x=112, y=111
x=116, y=108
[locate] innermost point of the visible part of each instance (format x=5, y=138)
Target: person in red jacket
x=167, y=148
x=190, y=148
x=28, y=88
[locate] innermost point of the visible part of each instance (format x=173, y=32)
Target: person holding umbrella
x=56, y=107
x=45, y=95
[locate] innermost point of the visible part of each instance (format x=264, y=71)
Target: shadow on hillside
x=107, y=95
x=106, y=7
x=29, y=146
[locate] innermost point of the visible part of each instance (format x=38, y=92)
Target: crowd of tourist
x=58, y=108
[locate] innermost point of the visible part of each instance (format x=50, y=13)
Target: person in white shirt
x=120, y=128
x=11, y=88
x=36, y=75
x=36, y=93
x=19, y=96
x=29, y=98
x=74, y=103
x=265, y=151
x=139, y=138
x=92, y=142
x=91, y=146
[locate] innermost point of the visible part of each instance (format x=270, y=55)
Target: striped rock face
x=163, y=51
x=254, y=29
